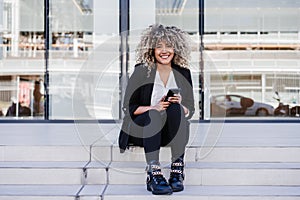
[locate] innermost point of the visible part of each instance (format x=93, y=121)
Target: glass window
x=84, y=59
x=183, y=14
x=21, y=59
x=252, y=50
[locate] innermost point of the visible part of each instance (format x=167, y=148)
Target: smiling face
x=164, y=53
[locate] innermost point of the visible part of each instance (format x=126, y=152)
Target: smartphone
x=171, y=93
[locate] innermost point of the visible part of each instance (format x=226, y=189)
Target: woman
x=151, y=118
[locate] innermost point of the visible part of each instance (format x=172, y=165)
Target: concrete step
x=92, y=192
x=39, y=192
x=224, y=142
x=129, y=192
x=52, y=153
x=46, y=173
x=107, y=153
x=82, y=161
x=51, y=192
x=198, y=173
x=215, y=154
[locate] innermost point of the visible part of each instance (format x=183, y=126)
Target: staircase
x=224, y=161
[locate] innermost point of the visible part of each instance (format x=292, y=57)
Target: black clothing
x=23, y=110
x=156, y=182
x=138, y=93
x=177, y=175
x=158, y=129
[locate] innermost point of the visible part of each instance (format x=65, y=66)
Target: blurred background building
x=240, y=47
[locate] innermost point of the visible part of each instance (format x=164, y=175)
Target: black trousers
x=154, y=129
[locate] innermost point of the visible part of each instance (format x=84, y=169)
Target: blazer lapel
x=148, y=87
x=178, y=76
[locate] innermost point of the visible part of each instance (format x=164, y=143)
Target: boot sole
x=178, y=190
x=159, y=192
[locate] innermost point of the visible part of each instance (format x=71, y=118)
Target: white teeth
x=164, y=57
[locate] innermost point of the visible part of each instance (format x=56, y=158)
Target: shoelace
x=158, y=178
x=177, y=169
x=158, y=175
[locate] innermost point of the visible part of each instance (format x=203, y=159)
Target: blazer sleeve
x=188, y=99
x=133, y=94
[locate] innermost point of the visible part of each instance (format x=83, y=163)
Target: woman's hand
x=175, y=99
x=162, y=105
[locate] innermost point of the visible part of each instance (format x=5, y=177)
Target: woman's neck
x=164, y=68
x=164, y=73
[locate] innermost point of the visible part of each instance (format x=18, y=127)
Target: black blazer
x=139, y=90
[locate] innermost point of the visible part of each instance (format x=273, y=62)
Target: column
x=15, y=27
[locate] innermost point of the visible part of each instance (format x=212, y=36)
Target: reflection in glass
x=256, y=54
x=21, y=60
x=84, y=60
x=251, y=50
x=181, y=13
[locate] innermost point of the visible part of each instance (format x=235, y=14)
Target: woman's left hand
x=175, y=99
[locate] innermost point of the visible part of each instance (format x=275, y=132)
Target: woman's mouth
x=164, y=56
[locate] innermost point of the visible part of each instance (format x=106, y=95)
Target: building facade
x=76, y=66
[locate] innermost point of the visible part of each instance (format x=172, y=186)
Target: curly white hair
x=172, y=35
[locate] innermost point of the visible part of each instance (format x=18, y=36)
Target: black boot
x=177, y=175
x=156, y=183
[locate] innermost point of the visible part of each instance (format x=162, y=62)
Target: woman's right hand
x=162, y=105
